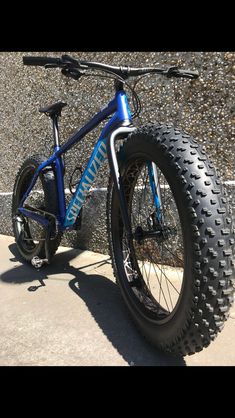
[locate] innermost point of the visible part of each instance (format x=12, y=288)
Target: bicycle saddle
x=53, y=110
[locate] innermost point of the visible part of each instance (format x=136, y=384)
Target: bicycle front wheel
x=176, y=277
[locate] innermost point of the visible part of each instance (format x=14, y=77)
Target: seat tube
x=59, y=164
x=60, y=187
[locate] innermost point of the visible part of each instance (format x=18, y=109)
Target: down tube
x=98, y=156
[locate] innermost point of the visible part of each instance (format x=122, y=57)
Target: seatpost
x=55, y=127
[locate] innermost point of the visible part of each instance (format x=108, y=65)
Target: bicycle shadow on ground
x=103, y=299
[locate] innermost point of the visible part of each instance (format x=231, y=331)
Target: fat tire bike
x=169, y=223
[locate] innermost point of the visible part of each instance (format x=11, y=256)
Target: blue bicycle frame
x=120, y=122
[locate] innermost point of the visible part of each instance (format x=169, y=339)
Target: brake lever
x=171, y=72
x=191, y=74
x=176, y=72
x=66, y=59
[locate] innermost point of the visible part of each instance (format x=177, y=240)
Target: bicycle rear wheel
x=29, y=235
x=176, y=281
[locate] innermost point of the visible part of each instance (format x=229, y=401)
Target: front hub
x=161, y=234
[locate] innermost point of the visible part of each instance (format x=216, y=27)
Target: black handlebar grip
x=40, y=61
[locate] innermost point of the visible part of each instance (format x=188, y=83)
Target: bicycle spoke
x=160, y=285
x=157, y=261
x=165, y=275
x=168, y=286
x=175, y=256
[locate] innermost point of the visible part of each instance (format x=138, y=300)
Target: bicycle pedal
x=38, y=262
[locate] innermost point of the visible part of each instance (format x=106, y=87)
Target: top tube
x=122, y=115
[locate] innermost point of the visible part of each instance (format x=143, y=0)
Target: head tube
x=123, y=109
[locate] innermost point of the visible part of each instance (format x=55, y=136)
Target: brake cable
x=135, y=98
x=77, y=73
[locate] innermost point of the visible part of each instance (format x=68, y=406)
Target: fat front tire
x=29, y=236
x=195, y=260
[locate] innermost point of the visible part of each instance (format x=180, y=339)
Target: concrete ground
x=71, y=314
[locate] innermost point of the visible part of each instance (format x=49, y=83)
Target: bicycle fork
x=156, y=192
x=117, y=180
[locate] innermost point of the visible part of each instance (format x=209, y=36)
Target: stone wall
x=205, y=108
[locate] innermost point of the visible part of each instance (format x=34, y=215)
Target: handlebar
x=75, y=69
x=133, y=72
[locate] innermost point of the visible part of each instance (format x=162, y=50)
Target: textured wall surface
x=205, y=108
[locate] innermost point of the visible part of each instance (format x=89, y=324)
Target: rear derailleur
x=49, y=223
